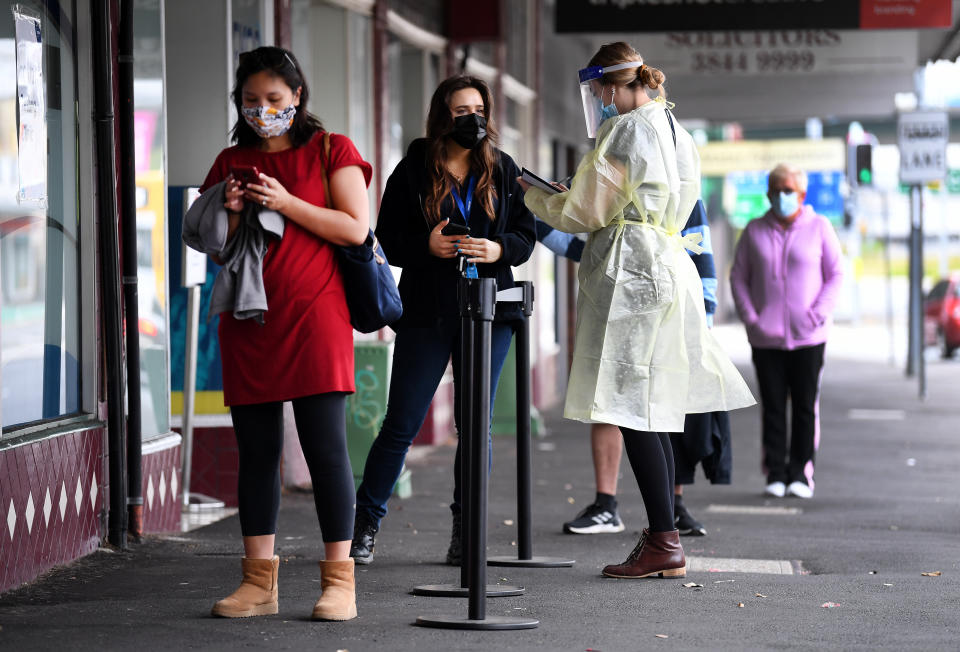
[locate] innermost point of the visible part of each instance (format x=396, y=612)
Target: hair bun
x=651, y=77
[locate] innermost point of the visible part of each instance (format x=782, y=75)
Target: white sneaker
x=800, y=490
x=776, y=489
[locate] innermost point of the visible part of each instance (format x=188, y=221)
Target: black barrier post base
x=523, y=294
x=489, y=623
x=457, y=591
x=477, y=301
x=535, y=561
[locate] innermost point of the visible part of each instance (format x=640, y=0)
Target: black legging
x=651, y=457
x=321, y=426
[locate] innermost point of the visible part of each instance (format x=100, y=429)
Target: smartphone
x=246, y=174
x=455, y=229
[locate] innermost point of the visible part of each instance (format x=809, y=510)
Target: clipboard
x=537, y=182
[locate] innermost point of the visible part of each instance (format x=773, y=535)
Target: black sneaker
x=455, y=551
x=361, y=548
x=687, y=525
x=595, y=519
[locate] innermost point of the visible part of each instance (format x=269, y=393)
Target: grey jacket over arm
x=239, y=285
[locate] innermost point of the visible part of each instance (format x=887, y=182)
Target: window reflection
x=39, y=246
x=149, y=156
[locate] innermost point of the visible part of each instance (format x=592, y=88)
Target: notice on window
x=31, y=123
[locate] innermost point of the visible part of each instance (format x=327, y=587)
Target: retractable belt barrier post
x=523, y=294
x=477, y=303
x=470, y=297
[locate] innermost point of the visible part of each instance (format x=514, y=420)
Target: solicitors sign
x=700, y=15
x=778, y=52
x=722, y=158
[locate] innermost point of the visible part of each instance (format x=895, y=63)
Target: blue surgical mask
x=785, y=204
x=609, y=111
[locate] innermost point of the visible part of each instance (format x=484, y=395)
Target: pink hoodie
x=785, y=281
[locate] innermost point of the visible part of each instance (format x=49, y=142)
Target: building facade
x=68, y=435
x=55, y=474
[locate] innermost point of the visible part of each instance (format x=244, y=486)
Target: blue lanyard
x=465, y=206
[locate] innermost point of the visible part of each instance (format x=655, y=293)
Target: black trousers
x=651, y=457
x=322, y=428
x=705, y=440
x=795, y=375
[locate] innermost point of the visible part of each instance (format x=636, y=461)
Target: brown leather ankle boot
x=339, y=599
x=657, y=553
x=257, y=595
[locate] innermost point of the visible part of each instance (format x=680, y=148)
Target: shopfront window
x=360, y=116
x=414, y=75
x=149, y=126
x=39, y=217
x=334, y=47
x=247, y=28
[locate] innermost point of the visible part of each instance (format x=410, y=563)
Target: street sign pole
x=916, y=289
x=922, y=137
x=193, y=275
x=189, y=389
x=915, y=362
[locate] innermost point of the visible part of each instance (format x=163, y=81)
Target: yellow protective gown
x=644, y=356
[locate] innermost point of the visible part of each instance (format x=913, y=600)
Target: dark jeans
x=322, y=428
x=794, y=374
x=420, y=356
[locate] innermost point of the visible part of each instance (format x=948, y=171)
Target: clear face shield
x=591, y=90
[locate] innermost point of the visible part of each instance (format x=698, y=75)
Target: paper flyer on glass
x=31, y=114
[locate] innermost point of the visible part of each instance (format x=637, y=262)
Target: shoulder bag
x=372, y=295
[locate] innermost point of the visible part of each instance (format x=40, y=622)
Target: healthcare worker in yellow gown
x=643, y=357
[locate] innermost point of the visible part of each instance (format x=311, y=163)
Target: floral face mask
x=267, y=121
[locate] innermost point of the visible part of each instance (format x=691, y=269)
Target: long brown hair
x=613, y=53
x=484, y=158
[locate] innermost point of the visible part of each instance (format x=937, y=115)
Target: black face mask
x=469, y=130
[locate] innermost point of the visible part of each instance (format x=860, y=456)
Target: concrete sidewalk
x=887, y=510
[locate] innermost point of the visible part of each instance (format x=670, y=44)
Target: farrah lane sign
x=923, y=137
x=719, y=15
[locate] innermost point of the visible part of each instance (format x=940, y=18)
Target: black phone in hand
x=455, y=229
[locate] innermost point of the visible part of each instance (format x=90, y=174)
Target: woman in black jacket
x=455, y=177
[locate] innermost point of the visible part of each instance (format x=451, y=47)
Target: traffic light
x=864, y=158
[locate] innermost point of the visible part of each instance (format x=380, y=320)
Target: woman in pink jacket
x=785, y=279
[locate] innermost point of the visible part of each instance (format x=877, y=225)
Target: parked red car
x=941, y=315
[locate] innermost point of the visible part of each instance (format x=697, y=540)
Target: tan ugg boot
x=257, y=595
x=339, y=599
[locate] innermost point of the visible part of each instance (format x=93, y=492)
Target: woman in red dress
x=303, y=350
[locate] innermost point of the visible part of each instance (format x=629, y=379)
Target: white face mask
x=785, y=204
x=267, y=121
